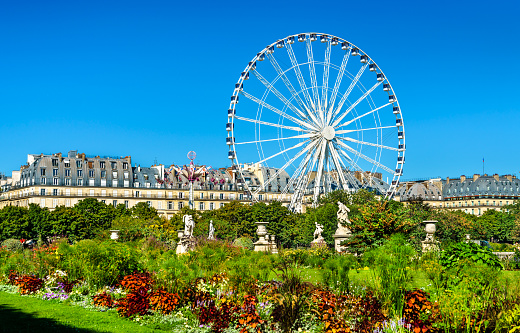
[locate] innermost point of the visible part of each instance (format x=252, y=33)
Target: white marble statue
x=189, y=224
x=211, y=230
x=342, y=215
x=318, y=231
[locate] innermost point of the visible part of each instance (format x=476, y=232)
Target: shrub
x=134, y=303
x=28, y=284
x=163, y=301
x=103, y=300
x=471, y=252
x=12, y=244
x=244, y=242
x=136, y=282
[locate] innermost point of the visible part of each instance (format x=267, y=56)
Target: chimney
x=496, y=177
x=509, y=177
x=462, y=178
x=447, y=180
x=475, y=176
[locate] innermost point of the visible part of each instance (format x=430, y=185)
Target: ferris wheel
x=319, y=114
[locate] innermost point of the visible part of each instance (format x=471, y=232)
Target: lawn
x=29, y=314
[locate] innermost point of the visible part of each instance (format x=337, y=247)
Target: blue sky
x=153, y=79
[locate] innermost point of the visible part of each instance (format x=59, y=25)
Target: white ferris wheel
x=320, y=114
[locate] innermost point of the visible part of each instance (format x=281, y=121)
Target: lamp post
x=192, y=173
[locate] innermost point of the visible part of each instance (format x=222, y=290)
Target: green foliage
x=391, y=264
x=472, y=252
x=244, y=242
x=96, y=216
x=335, y=272
x=497, y=224
x=144, y=211
x=376, y=222
x=12, y=244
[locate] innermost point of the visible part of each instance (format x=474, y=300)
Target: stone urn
x=114, y=234
x=430, y=227
x=262, y=244
x=274, y=249
x=430, y=244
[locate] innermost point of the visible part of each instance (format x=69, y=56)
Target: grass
x=28, y=314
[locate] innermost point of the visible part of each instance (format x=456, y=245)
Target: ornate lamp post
x=192, y=173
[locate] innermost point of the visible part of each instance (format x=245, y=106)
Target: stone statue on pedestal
x=211, y=230
x=343, y=232
x=186, y=239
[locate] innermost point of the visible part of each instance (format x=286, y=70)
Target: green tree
x=39, y=221
x=498, y=224
x=97, y=215
x=14, y=223
x=67, y=221
x=144, y=211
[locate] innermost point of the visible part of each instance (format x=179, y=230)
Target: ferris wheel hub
x=328, y=133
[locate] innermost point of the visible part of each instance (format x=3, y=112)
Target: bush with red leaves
x=134, y=303
x=163, y=301
x=137, y=281
x=103, y=299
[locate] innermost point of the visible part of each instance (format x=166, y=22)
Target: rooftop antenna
x=155, y=161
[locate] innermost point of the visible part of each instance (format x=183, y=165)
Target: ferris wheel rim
x=396, y=176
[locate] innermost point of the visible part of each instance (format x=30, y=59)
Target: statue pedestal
x=341, y=235
x=186, y=243
x=262, y=245
x=319, y=242
x=430, y=244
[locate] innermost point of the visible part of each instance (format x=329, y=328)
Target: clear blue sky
x=152, y=79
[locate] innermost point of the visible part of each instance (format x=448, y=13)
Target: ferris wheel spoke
x=339, y=78
x=339, y=170
x=298, y=129
x=347, y=93
x=340, y=118
x=303, y=136
x=319, y=173
x=286, y=81
x=312, y=70
x=269, y=86
x=348, y=173
x=299, y=173
x=284, y=151
x=366, y=158
x=277, y=173
x=363, y=115
x=275, y=110
x=326, y=70
x=299, y=76
x=366, y=143
x=363, y=129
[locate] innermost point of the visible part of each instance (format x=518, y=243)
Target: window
x=261, y=197
x=42, y=172
x=221, y=204
x=67, y=163
x=114, y=174
x=201, y=205
x=103, y=193
x=211, y=196
x=137, y=194
x=55, y=191
x=101, y=164
x=67, y=172
x=67, y=181
x=170, y=204
x=104, y=201
x=232, y=196
x=221, y=196
x=149, y=203
x=202, y=195
x=126, y=204
x=103, y=174
x=79, y=164
x=42, y=191
x=114, y=165
x=241, y=196
x=54, y=162
x=103, y=182
x=67, y=202
x=181, y=195
x=91, y=173
x=114, y=182
x=148, y=194
x=125, y=165
x=43, y=180
x=127, y=193
x=91, y=182
x=80, y=192
x=91, y=193
x=159, y=205
x=114, y=193
x=42, y=202
x=211, y=206
x=54, y=203
x=114, y=203
x=55, y=181
x=67, y=192
x=80, y=173
x=126, y=175
x=54, y=172
x=80, y=182
x=179, y=205
x=170, y=195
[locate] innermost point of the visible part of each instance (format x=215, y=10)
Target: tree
x=97, y=215
x=13, y=223
x=67, y=221
x=144, y=211
x=378, y=221
x=498, y=224
x=39, y=221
